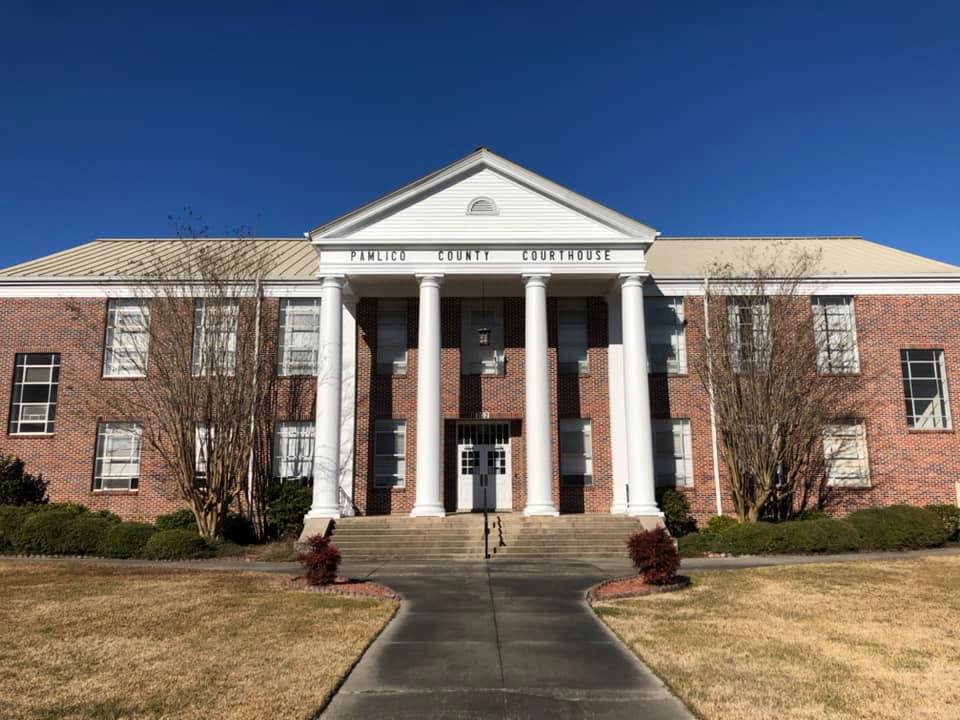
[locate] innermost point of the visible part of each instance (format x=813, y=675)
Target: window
x=666, y=336
x=576, y=452
x=214, y=338
x=672, y=452
x=925, y=389
x=389, y=453
x=117, y=463
x=835, y=333
x=572, y=336
x=845, y=454
x=299, y=336
x=481, y=337
x=392, y=336
x=482, y=206
x=33, y=403
x=748, y=320
x=128, y=335
x=202, y=441
x=293, y=450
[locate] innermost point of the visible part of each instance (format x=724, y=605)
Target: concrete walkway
x=506, y=639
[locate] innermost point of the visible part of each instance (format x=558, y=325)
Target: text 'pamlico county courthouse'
x=484, y=322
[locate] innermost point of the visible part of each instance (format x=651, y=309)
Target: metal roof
x=296, y=258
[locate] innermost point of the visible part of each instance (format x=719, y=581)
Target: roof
x=673, y=257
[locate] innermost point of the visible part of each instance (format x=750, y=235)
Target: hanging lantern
x=483, y=334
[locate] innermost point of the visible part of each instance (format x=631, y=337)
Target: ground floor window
x=672, y=452
x=845, y=453
x=389, y=453
x=576, y=452
x=117, y=464
x=33, y=402
x=293, y=444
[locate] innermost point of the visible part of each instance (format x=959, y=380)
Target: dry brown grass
x=845, y=640
x=119, y=642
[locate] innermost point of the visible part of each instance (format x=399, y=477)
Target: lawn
x=79, y=641
x=844, y=640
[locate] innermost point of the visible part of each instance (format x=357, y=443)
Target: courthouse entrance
x=483, y=461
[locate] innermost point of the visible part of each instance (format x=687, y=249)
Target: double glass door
x=483, y=454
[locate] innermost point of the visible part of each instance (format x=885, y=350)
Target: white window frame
x=127, y=338
x=673, y=362
x=837, y=351
x=397, y=478
x=576, y=466
x=25, y=366
x=926, y=421
x=674, y=463
x=295, y=339
x=293, y=450
x=573, y=336
x=108, y=463
x=846, y=460
x=201, y=451
x=388, y=352
x=474, y=358
x=759, y=309
x=206, y=324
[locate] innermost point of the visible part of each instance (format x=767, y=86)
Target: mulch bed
x=347, y=586
x=631, y=586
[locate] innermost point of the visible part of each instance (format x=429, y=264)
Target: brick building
x=483, y=328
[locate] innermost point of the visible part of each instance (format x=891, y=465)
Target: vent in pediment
x=482, y=206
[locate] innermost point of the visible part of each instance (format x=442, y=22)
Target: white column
x=326, y=461
x=536, y=387
x=636, y=388
x=428, y=400
x=618, y=419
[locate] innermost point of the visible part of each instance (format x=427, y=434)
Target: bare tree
x=777, y=378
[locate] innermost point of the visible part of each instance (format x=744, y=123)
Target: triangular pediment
x=512, y=203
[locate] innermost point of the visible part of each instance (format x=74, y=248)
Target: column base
x=618, y=509
x=547, y=510
x=323, y=512
x=428, y=511
x=644, y=511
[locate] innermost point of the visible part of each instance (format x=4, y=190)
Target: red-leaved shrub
x=320, y=561
x=654, y=555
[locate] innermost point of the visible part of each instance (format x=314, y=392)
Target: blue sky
x=695, y=118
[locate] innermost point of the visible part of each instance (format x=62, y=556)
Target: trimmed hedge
x=124, y=540
x=177, y=544
x=11, y=519
x=898, y=527
x=950, y=518
x=795, y=536
x=287, y=503
x=676, y=513
x=719, y=524
x=82, y=535
x=42, y=533
x=178, y=520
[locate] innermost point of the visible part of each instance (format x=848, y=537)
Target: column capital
x=333, y=281
x=535, y=279
x=429, y=279
x=632, y=279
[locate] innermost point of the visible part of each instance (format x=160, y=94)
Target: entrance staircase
x=460, y=537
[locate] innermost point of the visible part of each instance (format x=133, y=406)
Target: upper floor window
x=925, y=389
x=293, y=444
x=482, y=206
x=576, y=451
x=117, y=464
x=128, y=336
x=392, y=336
x=835, y=333
x=845, y=453
x=666, y=336
x=214, y=337
x=299, y=336
x=33, y=402
x=481, y=337
x=572, y=336
x=748, y=328
x=672, y=452
x=389, y=453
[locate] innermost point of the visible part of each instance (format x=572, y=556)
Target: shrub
x=321, y=561
x=17, y=487
x=801, y=537
x=287, y=505
x=654, y=555
x=695, y=544
x=107, y=515
x=898, y=527
x=179, y=520
x=125, y=539
x=676, y=513
x=42, y=532
x=69, y=507
x=950, y=518
x=719, y=524
x=810, y=515
x=83, y=533
x=238, y=529
x=11, y=518
x=177, y=544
